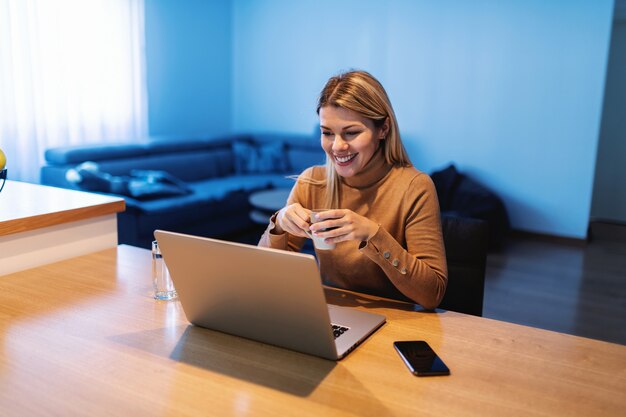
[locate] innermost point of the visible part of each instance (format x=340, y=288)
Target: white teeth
x=346, y=158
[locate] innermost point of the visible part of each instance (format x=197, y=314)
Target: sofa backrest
x=186, y=166
x=187, y=159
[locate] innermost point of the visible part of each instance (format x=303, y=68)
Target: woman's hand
x=347, y=226
x=293, y=219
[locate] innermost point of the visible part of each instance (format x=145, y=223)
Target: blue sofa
x=202, y=185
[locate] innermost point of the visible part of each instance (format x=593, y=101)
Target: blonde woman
x=382, y=213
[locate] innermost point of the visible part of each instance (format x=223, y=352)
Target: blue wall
x=284, y=52
x=188, y=66
x=511, y=91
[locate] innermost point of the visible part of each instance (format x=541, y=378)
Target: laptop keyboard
x=339, y=330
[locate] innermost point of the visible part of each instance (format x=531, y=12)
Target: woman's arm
x=419, y=271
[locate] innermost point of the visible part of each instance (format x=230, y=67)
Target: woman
x=383, y=213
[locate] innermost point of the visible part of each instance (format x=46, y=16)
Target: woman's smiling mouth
x=345, y=159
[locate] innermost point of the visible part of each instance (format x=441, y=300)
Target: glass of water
x=161, y=280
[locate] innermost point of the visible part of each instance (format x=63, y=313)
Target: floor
x=574, y=288
x=578, y=289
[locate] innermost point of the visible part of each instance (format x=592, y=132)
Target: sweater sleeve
x=420, y=270
x=284, y=241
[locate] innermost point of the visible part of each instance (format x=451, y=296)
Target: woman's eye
x=352, y=133
x=327, y=133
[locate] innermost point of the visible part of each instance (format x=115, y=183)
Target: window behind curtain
x=71, y=72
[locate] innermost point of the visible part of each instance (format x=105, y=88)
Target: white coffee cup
x=319, y=242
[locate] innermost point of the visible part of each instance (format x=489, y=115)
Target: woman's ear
x=384, y=129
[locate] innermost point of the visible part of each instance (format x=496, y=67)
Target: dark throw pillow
x=140, y=184
x=259, y=158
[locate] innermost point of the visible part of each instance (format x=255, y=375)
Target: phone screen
x=420, y=358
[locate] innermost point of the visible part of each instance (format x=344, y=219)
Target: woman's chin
x=345, y=171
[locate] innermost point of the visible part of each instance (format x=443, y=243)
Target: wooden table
x=83, y=337
x=41, y=224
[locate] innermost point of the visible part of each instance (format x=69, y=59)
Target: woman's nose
x=339, y=144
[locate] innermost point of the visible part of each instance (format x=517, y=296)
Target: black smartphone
x=421, y=358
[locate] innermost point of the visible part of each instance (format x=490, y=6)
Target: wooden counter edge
x=46, y=220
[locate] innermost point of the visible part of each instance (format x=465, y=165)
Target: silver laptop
x=268, y=295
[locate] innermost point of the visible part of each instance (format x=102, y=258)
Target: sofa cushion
x=140, y=184
x=215, y=190
x=148, y=184
x=146, y=190
x=259, y=157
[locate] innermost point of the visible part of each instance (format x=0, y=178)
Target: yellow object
x=3, y=160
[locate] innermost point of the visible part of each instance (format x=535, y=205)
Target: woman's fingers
x=348, y=226
x=293, y=219
x=331, y=219
x=335, y=225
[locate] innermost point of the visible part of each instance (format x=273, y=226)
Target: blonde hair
x=360, y=92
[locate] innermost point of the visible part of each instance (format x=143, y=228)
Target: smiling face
x=349, y=139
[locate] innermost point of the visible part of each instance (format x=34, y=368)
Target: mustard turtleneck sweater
x=405, y=259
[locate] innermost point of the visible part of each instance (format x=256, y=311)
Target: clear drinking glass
x=161, y=280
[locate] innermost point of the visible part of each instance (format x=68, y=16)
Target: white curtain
x=71, y=72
